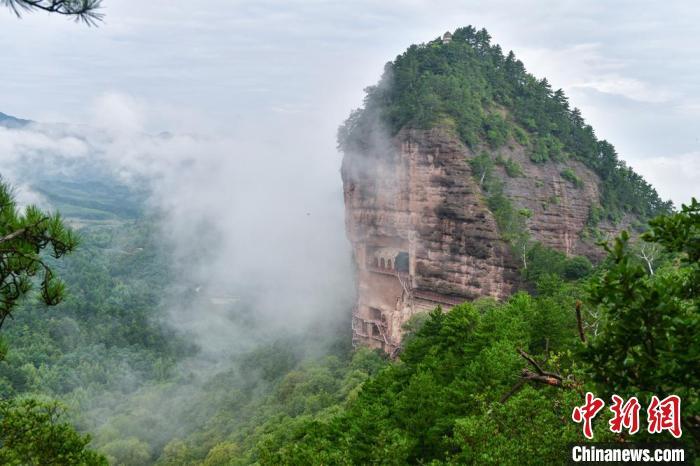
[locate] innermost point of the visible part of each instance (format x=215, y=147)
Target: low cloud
x=256, y=212
x=675, y=176
x=629, y=88
x=586, y=66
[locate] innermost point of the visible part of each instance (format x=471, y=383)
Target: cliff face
x=560, y=209
x=423, y=235
x=426, y=230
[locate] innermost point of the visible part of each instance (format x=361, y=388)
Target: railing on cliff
x=385, y=270
x=438, y=298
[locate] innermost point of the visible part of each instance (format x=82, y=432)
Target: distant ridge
x=9, y=121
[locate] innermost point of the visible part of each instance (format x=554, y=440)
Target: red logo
x=665, y=415
x=587, y=412
x=661, y=415
x=625, y=415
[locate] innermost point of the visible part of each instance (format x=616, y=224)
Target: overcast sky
x=631, y=66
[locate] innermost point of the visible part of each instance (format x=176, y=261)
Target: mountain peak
x=8, y=121
x=461, y=172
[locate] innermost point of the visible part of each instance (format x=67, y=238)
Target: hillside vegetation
x=455, y=395
x=465, y=389
x=489, y=99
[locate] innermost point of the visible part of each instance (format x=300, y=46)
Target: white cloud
x=689, y=108
x=586, y=66
x=675, y=176
x=630, y=88
x=118, y=113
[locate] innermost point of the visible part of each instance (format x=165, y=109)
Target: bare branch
x=649, y=253
x=546, y=349
x=540, y=376
x=518, y=385
x=537, y=367
x=581, y=333
x=532, y=362
x=548, y=379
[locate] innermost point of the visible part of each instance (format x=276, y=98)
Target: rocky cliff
x=420, y=202
x=427, y=180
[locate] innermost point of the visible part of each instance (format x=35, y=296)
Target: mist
x=258, y=209
x=252, y=224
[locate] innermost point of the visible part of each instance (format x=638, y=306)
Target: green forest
x=488, y=99
x=462, y=391
x=90, y=374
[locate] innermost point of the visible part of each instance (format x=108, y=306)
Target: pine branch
x=81, y=10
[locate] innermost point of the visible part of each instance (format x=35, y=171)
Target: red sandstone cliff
x=422, y=233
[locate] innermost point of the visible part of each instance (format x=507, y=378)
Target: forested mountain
x=494, y=380
x=476, y=174
x=470, y=86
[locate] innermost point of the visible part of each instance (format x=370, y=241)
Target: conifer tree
x=24, y=235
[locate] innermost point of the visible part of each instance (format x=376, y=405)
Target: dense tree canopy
x=465, y=389
x=34, y=432
x=460, y=393
x=648, y=321
x=488, y=98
